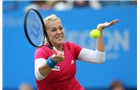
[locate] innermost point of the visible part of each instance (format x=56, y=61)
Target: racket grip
x=55, y=51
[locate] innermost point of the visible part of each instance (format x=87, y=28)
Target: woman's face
x=55, y=32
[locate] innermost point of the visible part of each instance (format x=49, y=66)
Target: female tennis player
x=57, y=71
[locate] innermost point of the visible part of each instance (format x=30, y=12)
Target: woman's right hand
x=58, y=58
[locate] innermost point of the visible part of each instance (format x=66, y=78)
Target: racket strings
x=34, y=27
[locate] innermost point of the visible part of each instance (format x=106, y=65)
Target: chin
x=60, y=42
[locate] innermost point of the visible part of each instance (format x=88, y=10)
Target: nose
x=58, y=31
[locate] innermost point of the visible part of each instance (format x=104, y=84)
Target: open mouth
x=60, y=37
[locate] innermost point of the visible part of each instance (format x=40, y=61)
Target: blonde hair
x=46, y=20
x=52, y=17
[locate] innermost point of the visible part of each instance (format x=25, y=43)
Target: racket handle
x=55, y=51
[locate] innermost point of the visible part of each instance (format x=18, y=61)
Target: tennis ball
x=95, y=33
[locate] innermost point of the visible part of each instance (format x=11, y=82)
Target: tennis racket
x=34, y=29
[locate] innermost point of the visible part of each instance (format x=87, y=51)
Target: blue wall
x=120, y=43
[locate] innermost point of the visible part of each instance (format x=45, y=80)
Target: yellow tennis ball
x=95, y=33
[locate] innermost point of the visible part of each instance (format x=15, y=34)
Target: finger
x=63, y=57
x=53, y=55
x=116, y=20
x=113, y=22
x=60, y=53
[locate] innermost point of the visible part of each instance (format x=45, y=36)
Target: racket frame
x=43, y=27
x=44, y=31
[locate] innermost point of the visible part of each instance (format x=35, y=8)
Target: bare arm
x=42, y=69
x=97, y=56
x=100, y=41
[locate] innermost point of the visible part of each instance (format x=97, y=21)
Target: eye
x=53, y=30
x=61, y=28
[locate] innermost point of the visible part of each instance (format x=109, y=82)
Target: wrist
x=100, y=29
x=50, y=62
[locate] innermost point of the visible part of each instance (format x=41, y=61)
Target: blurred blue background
x=120, y=42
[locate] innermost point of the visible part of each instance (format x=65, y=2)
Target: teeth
x=59, y=37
